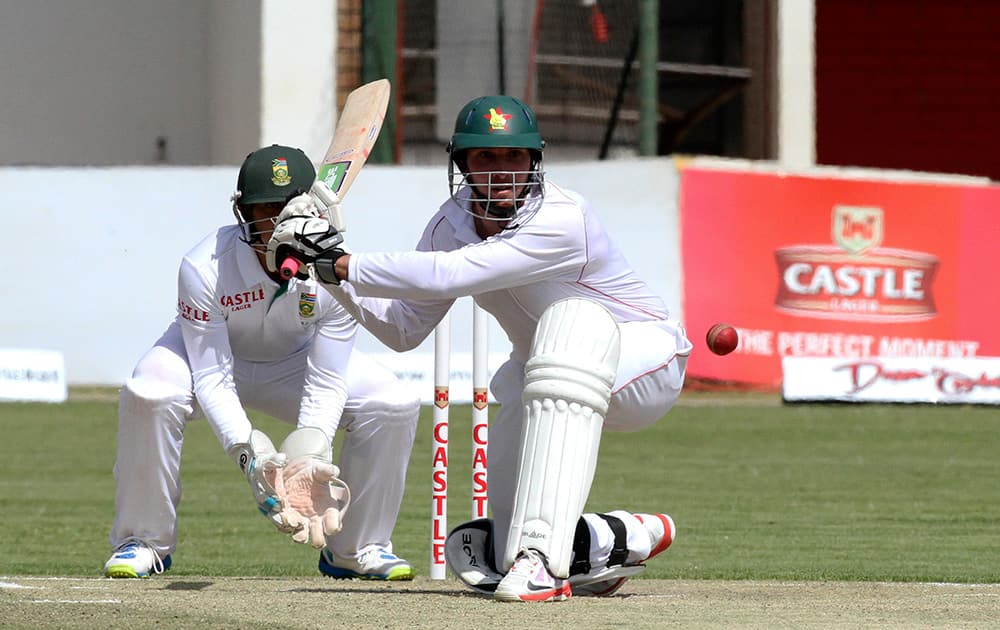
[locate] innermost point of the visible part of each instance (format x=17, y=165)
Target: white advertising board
x=969, y=380
x=415, y=370
x=32, y=375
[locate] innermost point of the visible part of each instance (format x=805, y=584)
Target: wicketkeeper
x=245, y=338
x=593, y=350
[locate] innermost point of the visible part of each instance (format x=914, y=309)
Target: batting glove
x=301, y=234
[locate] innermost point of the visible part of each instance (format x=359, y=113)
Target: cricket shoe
x=135, y=559
x=376, y=563
x=529, y=581
x=468, y=551
x=608, y=580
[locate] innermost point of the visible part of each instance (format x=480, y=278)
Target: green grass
x=817, y=492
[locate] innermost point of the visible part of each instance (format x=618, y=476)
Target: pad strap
x=582, y=543
x=619, y=548
x=581, y=549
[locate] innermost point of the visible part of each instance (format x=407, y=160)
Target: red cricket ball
x=722, y=339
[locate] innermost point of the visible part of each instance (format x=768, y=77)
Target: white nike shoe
x=135, y=559
x=529, y=581
x=376, y=563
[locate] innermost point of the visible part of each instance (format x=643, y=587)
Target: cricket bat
x=357, y=130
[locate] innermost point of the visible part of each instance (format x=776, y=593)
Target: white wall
x=97, y=251
x=796, y=83
x=97, y=82
x=94, y=251
x=234, y=86
x=298, y=88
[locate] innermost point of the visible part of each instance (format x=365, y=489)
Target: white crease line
x=13, y=585
x=74, y=601
x=953, y=584
x=37, y=578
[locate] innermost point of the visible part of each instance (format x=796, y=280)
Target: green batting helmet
x=496, y=121
x=270, y=174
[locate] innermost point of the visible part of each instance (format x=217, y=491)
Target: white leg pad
x=567, y=388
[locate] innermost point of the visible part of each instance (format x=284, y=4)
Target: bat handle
x=330, y=202
x=289, y=268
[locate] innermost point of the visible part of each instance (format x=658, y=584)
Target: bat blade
x=357, y=130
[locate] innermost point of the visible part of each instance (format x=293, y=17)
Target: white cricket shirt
x=558, y=249
x=230, y=310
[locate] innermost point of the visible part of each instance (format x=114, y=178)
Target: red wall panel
x=909, y=84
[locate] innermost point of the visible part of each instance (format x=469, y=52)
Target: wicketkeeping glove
x=301, y=231
x=314, y=498
x=260, y=462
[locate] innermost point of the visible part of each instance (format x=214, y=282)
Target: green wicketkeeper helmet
x=269, y=174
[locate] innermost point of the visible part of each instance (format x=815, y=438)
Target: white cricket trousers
x=649, y=380
x=379, y=423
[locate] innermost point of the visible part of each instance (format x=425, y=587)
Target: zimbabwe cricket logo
x=279, y=172
x=498, y=119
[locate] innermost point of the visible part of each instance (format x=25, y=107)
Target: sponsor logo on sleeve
x=191, y=313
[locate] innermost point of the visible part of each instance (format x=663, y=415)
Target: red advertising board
x=836, y=267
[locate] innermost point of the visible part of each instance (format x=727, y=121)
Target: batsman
x=593, y=349
x=245, y=338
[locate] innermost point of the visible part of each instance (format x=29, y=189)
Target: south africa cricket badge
x=279, y=172
x=307, y=305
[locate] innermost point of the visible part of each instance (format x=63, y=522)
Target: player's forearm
x=224, y=412
x=449, y=274
x=324, y=392
x=211, y=364
x=216, y=394
x=333, y=267
x=399, y=324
